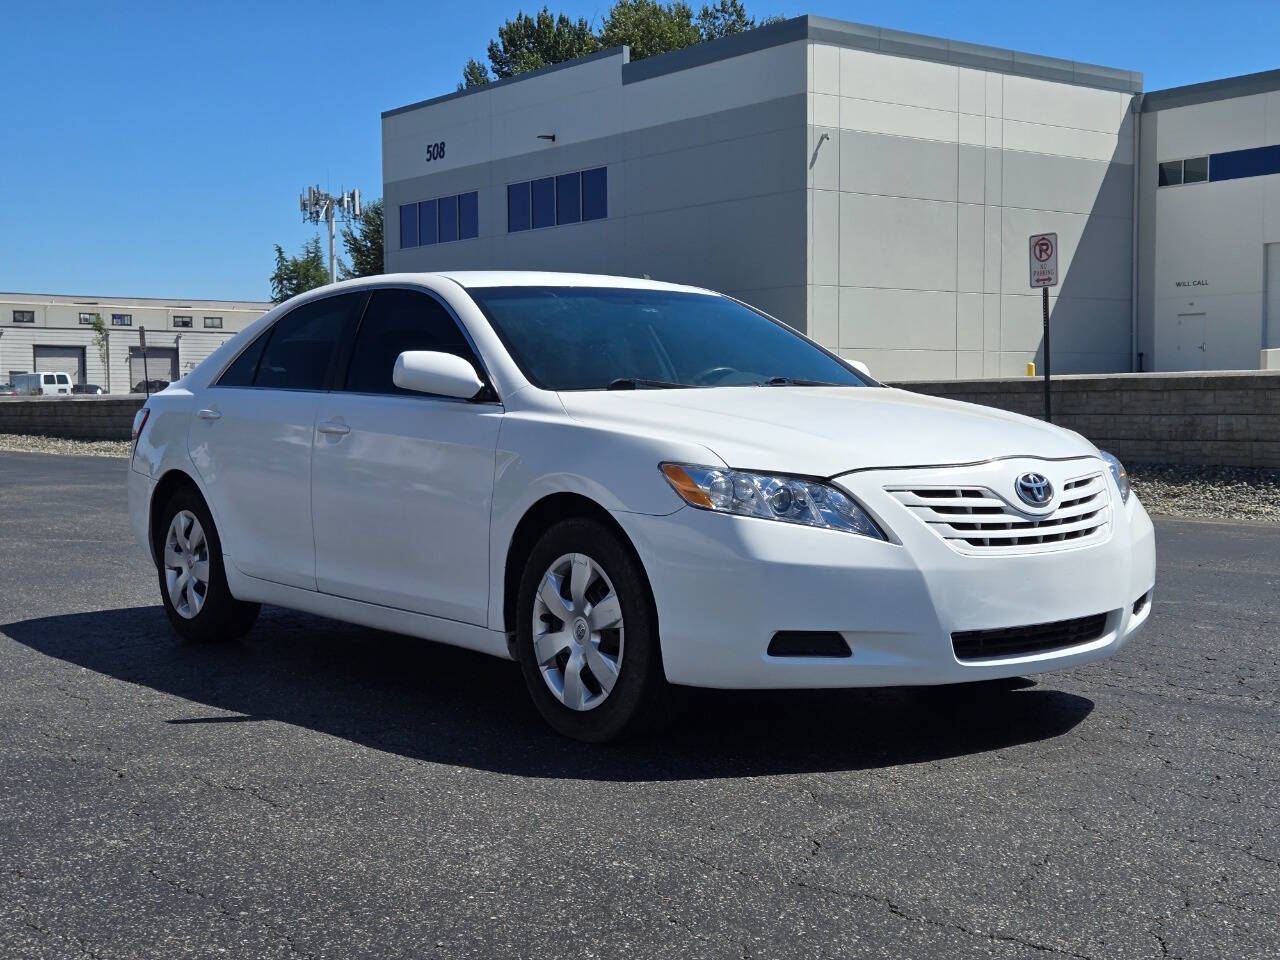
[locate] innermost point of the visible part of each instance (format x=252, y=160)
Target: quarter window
x=212, y=323
x=180, y=321
x=396, y=321
x=555, y=201
x=301, y=345
x=24, y=316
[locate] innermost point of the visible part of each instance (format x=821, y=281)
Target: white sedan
x=625, y=485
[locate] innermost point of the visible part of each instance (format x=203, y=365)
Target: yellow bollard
x=1031, y=369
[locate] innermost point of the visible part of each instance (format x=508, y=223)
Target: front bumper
x=724, y=585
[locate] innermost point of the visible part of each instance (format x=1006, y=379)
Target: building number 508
x=435, y=151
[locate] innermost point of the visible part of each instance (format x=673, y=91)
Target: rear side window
x=396, y=321
x=243, y=368
x=302, y=344
x=50, y=378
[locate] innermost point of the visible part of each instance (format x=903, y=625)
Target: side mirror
x=440, y=374
x=861, y=367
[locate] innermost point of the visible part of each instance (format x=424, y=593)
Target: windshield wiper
x=640, y=383
x=793, y=382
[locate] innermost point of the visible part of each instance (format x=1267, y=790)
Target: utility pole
x=317, y=205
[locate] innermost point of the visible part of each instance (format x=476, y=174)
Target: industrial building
x=1209, y=218
x=872, y=188
x=43, y=332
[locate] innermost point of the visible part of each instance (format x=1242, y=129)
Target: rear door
x=402, y=482
x=250, y=439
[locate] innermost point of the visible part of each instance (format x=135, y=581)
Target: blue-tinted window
x=595, y=192
x=408, y=225
x=427, y=222
x=1236, y=164
x=448, y=219
x=568, y=198
x=544, y=202
x=518, y=207
x=468, y=216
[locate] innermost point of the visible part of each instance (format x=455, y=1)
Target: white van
x=43, y=384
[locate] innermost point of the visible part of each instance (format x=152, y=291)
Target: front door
x=250, y=440
x=402, y=482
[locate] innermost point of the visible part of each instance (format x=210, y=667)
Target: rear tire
x=193, y=580
x=587, y=635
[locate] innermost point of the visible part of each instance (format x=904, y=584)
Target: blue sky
x=157, y=149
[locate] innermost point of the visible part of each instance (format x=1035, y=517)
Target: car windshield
x=598, y=338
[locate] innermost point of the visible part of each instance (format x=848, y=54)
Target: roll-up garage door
x=68, y=360
x=162, y=364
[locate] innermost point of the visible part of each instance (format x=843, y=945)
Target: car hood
x=825, y=431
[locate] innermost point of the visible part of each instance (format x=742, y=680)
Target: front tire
x=193, y=580
x=587, y=635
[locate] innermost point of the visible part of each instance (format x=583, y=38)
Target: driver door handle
x=207, y=414
x=333, y=428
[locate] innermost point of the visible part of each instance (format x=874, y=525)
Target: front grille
x=976, y=520
x=1022, y=641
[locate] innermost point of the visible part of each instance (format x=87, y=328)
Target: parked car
x=42, y=384
x=150, y=386
x=625, y=485
x=8, y=390
x=91, y=389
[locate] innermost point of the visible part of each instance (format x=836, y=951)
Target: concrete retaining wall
x=1222, y=418
x=75, y=418
x=1231, y=419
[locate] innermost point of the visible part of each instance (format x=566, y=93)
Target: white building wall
x=1208, y=299
x=926, y=180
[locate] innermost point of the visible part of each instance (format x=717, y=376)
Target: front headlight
x=1120, y=473
x=769, y=497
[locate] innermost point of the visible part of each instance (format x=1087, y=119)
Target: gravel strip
x=1207, y=493
x=21, y=443
x=1203, y=493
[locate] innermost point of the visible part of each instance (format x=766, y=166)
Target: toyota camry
x=625, y=486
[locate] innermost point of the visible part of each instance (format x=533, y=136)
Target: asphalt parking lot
x=319, y=790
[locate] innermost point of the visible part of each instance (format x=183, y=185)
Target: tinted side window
x=396, y=321
x=301, y=346
x=243, y=367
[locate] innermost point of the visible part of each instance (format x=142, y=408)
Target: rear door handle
x=207, y=414
x=333, y=428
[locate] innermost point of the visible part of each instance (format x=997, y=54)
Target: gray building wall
x=926, y=181
x=716, y=200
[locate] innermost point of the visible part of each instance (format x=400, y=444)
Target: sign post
x=146, y=377
x=1044, y=274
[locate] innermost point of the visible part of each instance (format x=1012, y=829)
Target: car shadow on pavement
x=432, y=702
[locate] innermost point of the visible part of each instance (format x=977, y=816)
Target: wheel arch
x=540, y=517
x=172, y=481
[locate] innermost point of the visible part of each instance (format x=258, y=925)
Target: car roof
x=539, y=278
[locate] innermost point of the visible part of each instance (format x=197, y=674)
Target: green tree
x=295, y=275
x=649, y=27
x=364, y=243
x=474, y=74
x=726, y=17
x=527, y=43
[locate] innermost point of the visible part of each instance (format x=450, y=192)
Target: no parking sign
x=1044, y=260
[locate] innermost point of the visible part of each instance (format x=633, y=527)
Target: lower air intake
x=808, y=643
x=1023, y=641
